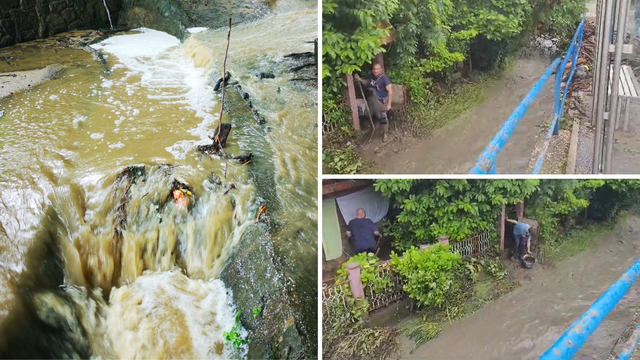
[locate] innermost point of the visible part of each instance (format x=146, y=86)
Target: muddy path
x=526, y=322
x=455, y=147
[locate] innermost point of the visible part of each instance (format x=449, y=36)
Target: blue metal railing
x=486, y=163
x=567, y=346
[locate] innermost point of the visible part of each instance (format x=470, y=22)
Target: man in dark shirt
x=381, y=83
x=362, y=232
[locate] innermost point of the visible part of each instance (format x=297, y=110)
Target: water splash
x=108, y=13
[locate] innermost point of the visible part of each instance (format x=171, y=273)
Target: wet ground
x=455, y=147
x=526, y=322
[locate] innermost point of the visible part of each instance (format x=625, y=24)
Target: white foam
x=78, y=119
x=154, y=311
x=195, y=30
x=53, y=97
x=97, y=136
x=146, y=55
x=147, y=43
x=107, y=83
x=117, y=145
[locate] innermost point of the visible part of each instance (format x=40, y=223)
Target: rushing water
x=149, y=288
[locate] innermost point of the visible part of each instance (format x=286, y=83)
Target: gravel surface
x=584, y=157
x=555, y=160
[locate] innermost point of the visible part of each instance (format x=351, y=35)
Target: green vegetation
x=369, y=272
x=421, y=330
x=426, y=42
x=344, y=161
x=234, y=336
x=442, y=285
x=429, y=276
x=473, y=283
x=256, y=312
x=458, y=209
x=450, y=103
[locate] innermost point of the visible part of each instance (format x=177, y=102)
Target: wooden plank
x=351, y=99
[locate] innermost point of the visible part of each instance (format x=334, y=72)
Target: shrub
x=429, y=275
x=369, y=272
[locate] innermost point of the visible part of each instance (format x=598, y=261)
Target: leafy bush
x=342, y=161
x=560, y=19
x=429, y=275
x=495, y=268
x=458, y=209
x=369, y=272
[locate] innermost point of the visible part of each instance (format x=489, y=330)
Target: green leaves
x=233, y=336
x=351, y=35
x=429, y=275
x=370, y=275
x=456, y=208
x=257, y=311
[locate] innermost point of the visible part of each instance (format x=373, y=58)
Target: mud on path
x=525, y=323
x=455, y=147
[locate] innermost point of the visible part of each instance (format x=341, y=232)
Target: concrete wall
x=24, y=20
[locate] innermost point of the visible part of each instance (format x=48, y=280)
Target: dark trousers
x=359, y=251
x=521, y=245
x=385, y=117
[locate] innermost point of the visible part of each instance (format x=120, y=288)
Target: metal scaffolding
x=611, y=22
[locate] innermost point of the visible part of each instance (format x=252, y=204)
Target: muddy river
x=71, y=285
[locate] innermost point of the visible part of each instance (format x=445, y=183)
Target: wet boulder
x=254, y=275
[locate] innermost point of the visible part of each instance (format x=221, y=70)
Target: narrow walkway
x=455, y=147
x=525, y=323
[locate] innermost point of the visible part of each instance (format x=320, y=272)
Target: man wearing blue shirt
x=381, y=83
x=362, y=233
x=522, y=235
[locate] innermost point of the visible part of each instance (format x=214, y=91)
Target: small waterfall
x=108, y=13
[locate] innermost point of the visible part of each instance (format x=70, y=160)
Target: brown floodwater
x=151, y=291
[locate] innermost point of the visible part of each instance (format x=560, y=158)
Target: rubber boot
x=385, y=130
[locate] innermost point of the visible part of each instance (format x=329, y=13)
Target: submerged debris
x=264, y=75
x=245, y=159
x=227, y=77
x=129, y=176
x=133, y=173
x=181, y=192
x=231, y=186
x=215, y=147
x=310, y=74
x=262, y=209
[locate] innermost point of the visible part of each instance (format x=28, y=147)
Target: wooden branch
x=224, y=70
x=366, y=104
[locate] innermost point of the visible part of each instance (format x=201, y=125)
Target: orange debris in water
x=260, y=211
x=178, y=196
